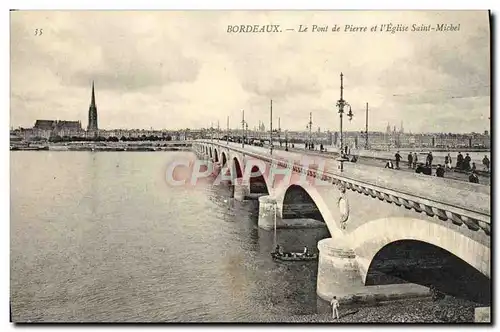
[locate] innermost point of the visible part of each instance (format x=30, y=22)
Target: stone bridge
x=376, y=217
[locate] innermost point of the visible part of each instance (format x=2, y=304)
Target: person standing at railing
x=397, y=156
x=466, y=163
x=486, y=163
x=447, y=162
x=429, y=159
x=460, y=160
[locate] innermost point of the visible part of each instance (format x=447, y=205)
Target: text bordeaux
x=253, y=28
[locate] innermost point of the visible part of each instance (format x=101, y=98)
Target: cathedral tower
x=92, y=126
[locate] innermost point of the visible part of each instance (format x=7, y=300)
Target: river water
x=102, y=237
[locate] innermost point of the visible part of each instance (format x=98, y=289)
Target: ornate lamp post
x=309, y=126
x=246, y=131
x=227, y=133
x=279, y=130
x=341, y=103
x=286, y=140
x=271, y=130
x=366, y=128
x=243, y=123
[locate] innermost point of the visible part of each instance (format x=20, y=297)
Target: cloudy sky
x=172, y=70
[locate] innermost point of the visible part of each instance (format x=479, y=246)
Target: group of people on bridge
x=463, y=164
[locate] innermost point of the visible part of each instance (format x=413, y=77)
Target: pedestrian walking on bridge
x=410, y=160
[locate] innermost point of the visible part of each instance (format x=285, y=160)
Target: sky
x=182, y=69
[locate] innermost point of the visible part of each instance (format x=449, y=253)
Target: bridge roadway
x=373, y=158
x=472, y=197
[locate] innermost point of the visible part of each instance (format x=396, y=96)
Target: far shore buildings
x=47, y=129
x=390, y=139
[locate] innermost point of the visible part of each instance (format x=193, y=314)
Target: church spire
x=92, y=101
x=92, y=125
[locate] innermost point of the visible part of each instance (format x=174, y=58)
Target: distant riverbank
x=105, y=146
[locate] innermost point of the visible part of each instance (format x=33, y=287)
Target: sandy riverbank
x=447, y=310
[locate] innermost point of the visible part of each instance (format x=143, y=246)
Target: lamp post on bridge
x=286, y=140
x=341, y=103
x=309, y=126
x=271, y=130
x=227, y=133
x=246, y=131
x=279, y=130
x=366, y=128
x=243, y=123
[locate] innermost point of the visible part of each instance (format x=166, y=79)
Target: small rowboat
x=294, y=256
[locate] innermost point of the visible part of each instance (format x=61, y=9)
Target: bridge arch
x=216, y=155
x=423, y=263
x=370, y=238
x=290, y=194
x=236, y=168
x=258, y=181
x=298, y=203
x=224, y=158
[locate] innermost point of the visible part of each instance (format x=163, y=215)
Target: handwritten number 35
x=38, y=32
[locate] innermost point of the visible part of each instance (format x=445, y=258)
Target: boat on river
x=294, y=256
x=280, y=255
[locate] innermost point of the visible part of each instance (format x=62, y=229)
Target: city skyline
x=197, y=76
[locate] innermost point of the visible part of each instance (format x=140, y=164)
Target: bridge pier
x=216, y=168
x=338, y=271
x=241, y=190
x=268, y=212
x=339, y=275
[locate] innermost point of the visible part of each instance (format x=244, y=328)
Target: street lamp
x=243, y=123
x=227, y=133
x=309, y=126
x=286, y=140
x=341, y=103
x=279, y=130
x=246, y=131
x=271, y=130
